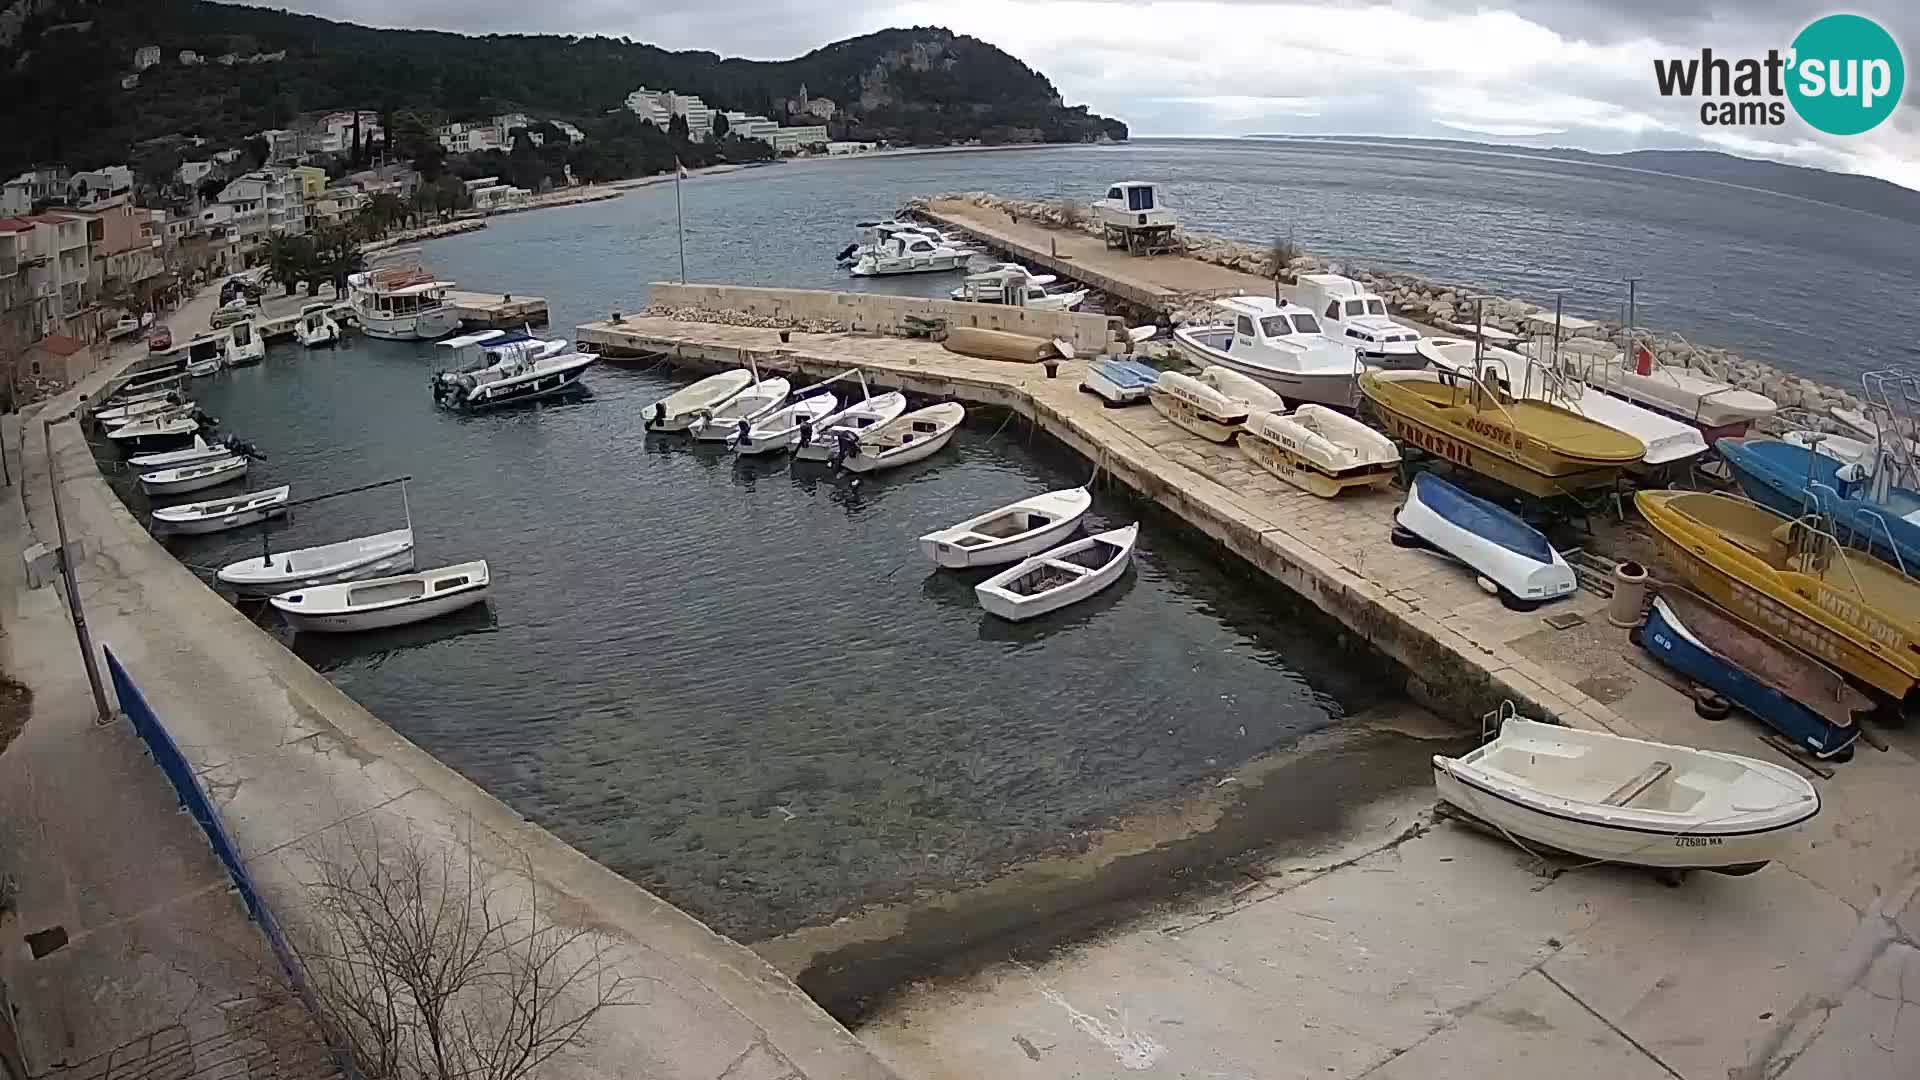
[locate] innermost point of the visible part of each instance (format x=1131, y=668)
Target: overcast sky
x=1557, y=73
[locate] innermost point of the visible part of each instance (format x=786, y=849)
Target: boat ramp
x=1464, y=651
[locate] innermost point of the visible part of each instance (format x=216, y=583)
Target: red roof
x=51, y=219
x=14, y=224
x=61, y=344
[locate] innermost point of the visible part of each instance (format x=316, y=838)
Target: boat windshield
x=1376, y=307
x=1278, y=326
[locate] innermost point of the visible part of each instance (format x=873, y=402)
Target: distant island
x=1867, y=194
x=89, y=84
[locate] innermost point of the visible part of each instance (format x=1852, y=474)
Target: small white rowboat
x=1013, y=532
x=856, y=419
x=1052, y=580
x=1319, y=450
x=349, y=560
x=1196, y=406
x=162, y=426
x=750, y=405
x=200, y=451
x=911, y=437
x=678, y=410
x=217, y=515
x=382, y=602
x=1623, y=800
x=1250, y=392
x=184, y=478
x=779, y=430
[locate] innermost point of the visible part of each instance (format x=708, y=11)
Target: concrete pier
x=497, y=311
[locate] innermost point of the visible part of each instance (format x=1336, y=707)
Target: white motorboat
x=1719, y=408
x=1840, y=448
x=782, y=428
x=160, y=428
x=908, y=438
x=245, y=345
x=678, y=410
x=1350, y=314
x=1319, y=450
x=1493, y=542
x=1667, y=440
x=900, y=251
x=377, y=603
x=1249, y=392
x=200, y=450
x=401, y=303
x=1118, y=380
x=1631, y=801
x=316, y=328
x=208, y=353
x=140, y=410
x=181, y=479
x=1053, y=579
x=1196, y=406
x=1279, y=345
x=1868, y=429
x=1015, y=531
x=855, y=420
x=217, y=515
x=723, y=422
x=1015, y=287
x=507, y=368
x=348, y=560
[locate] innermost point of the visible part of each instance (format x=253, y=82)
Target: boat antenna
x=406, y=508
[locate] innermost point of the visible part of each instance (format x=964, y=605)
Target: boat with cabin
x=402, y=302
x=1132, y=217
x=1278, y=344
x=1016, y=287
x=1532, y=446
x=1357, y=318
x=896, y=249
x=316, y=328
x=1319, y=450
x=245, y=345
x=506, y=368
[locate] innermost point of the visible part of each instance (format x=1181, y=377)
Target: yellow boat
x=1794, y=583
x=1534, y=446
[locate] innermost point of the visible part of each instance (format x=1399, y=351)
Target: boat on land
x=750, y=405
x=1015, y=531
x=245, y=345
x=507, y=369
x=855, y=419
x=783, y=428
x=1491, y=540
x=379, y=555
x=1532, y=446
x=1719, y=409
x=181, y=479
x=1631, y=801
x=1351, y=314
x=1196, y=406
x=1868, y=513
x=1117, y=380
x=678, y=410
x=1841, y=448
x=401, y=303
x=1250, y=392
x=910, y=437
x=1794, y=582
x=377, y=603
x=1280, y=345
x=1056, y=578
x=316, y=328
x=1778, y=685
x=218, y=515
x=1319, y=450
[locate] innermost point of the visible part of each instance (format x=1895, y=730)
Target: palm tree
x=289, y=260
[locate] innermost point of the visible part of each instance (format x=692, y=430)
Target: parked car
x=160, y=340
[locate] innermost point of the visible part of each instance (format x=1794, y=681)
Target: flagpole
x=680, y=211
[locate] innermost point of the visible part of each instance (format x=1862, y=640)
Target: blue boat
x=1714, y=649
x=1117, y=380
x=1794, y=481
x=1488, y=538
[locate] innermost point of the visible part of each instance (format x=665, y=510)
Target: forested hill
x=62, y=63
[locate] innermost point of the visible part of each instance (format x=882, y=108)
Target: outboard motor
x=742, y=430
x=659, y=416
x=204, y=420
x=806, y=431
x=845, y=445
x=846, y=253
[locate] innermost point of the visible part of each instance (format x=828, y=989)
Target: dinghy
x=1013, y=532
x=1714, y=649
x=160, y=429
x=783, y=428
x=1319, y=450
x=1053, y=579
x=720, y=424
x=140, y=410
x=316, y=328
x=1196, y=406
x=1491, y=540
x=218, y=515
x=362, y=557
x=1621, y=800
x=201, y=450
x=198, y=477
x=1119, y=381
x=856, y=419
x=678, y=410
x=381, y=602
x=904, y=440
x=1237, y=387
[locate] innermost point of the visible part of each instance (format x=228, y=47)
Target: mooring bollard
x=1052, y=366
x=786, y=336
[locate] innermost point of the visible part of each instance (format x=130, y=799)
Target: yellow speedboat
x=1794, y=583
x=1534, y=446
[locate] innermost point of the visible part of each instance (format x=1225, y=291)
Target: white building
x=798, y=138
x=333, y=133
x=145, y=57
x=191, y=173
x=100, y=183
x=659, y=107
x=259, y=204
x=651, y=106
x=282, y=144
x=849, y=147
x=751, y=126
x=572, y=133
x=46, y=184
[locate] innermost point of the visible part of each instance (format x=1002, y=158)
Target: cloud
x=1546, y=72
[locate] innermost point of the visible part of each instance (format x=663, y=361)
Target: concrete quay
x=299, y=770
x=497, y=311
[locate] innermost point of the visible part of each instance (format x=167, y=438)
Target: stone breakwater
x=742, y=318
x=1806, y=402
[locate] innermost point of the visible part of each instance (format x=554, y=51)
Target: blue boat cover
x=1126, y=372
x=1482, y=518
x=1793, y=480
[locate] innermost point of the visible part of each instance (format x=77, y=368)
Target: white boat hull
x=930, y=264
x=1049, y=519
x=330, y=609
x=327, y=333
x=1528, y=579
x=678, y=410
x=421, y=326
x=855, y=419
x=750, y=405
x=203, y=526
x=190, y=519
x=199, y=452
x=163, y=482
x=1339, y=390
x=382, y=555
x=1197, y=407
x=997, y=598
x=919, y=450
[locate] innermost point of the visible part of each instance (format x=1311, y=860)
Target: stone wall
x=820, y=311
